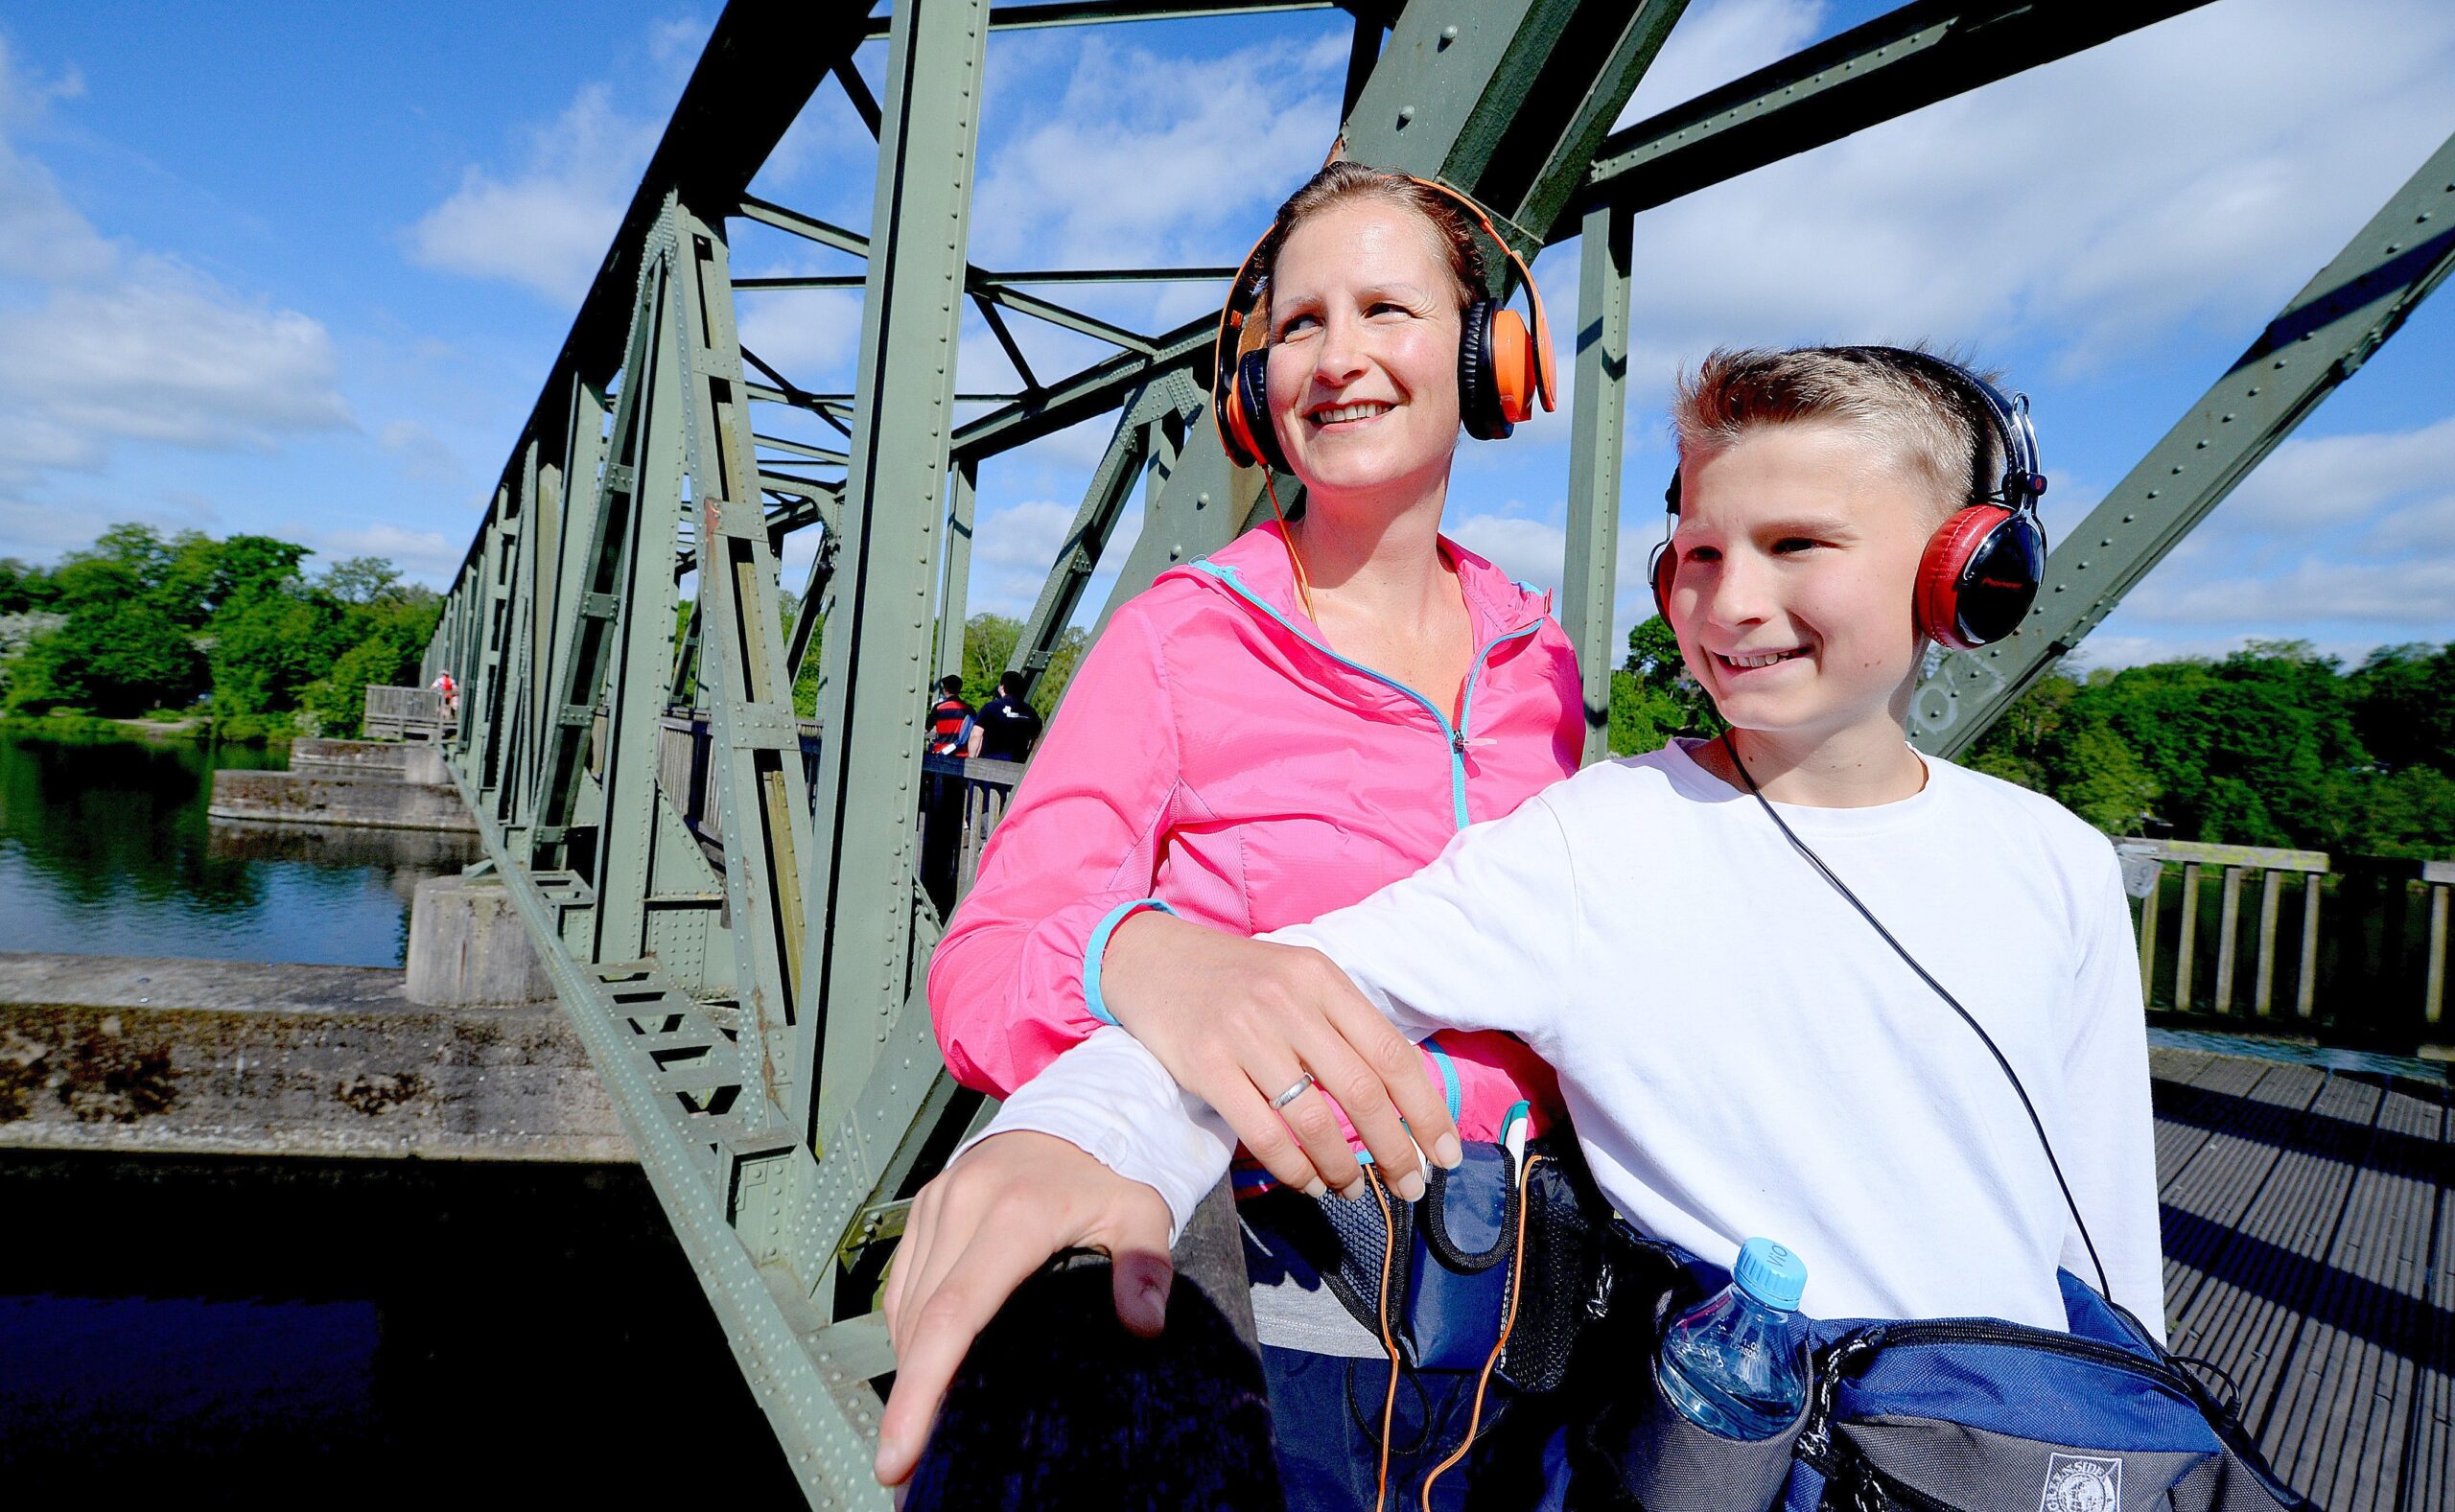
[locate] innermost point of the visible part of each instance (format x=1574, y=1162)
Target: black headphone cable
x=2104, y=1287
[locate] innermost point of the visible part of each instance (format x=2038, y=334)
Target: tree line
x=2272, y=745
x=234, y=630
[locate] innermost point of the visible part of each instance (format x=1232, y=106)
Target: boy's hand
x=975, y=1234
x=1238, y=1022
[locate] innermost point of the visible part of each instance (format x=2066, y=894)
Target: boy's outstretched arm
x=2108, y=1137
x=1483, y=938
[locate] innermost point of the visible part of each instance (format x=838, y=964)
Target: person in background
x=1005, y=727
x=949, y=718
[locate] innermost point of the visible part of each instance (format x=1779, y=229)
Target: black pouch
x=1453, y=1256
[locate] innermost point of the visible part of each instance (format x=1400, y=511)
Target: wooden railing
x=405, y=714
x=2354, y=959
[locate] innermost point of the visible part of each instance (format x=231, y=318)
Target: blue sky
x=300, y=268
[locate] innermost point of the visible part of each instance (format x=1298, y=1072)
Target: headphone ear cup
x=1249, y=413
x=1978, y=577
x=1512, y=359
x=1478, y=394
x=1662, y=572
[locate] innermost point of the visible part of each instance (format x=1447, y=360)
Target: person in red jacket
x=1262, y=736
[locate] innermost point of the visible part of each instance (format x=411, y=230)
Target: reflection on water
x=106, y=850
x=372, y=1334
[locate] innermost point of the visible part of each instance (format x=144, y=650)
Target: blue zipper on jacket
x=1456, y=736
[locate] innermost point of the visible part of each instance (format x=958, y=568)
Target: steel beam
x=1599, y=426
x=1899, y=63
x=954, y=595
x=876, y=655
x=2319, y=339
x=753, y=744
x=1100, y=12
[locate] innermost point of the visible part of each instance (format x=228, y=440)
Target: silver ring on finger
x=1303, y=1083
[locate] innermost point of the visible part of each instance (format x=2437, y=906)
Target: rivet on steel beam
x=1448, y=34
x=1406, y=113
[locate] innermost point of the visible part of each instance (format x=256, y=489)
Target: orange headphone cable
x=1390, y=1400
x=1509, y=1321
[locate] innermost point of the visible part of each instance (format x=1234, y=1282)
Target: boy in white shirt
x=1742, y=1046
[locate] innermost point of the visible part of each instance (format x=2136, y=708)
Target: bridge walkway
x=2310, y=1255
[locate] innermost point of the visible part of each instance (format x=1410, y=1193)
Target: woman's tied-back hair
x=1923, y=422
x=1344, y=182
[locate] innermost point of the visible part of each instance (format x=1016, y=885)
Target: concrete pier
x=468, y=947
x=385, y=758
x=310, y=796
x=156, y=1056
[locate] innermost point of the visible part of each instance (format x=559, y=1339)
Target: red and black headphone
x=1982, y=566
x=1503, y=367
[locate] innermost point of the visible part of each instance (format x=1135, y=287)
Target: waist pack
x=1941, y=1415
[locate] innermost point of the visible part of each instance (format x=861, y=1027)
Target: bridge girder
x=741, y=939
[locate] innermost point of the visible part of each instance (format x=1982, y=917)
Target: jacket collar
x=1257, y=563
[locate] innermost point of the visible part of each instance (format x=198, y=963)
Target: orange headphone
x=1504, y=368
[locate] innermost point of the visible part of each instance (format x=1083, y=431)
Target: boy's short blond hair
x=1912, y=413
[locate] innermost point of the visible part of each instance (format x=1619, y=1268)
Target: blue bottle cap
x=1771, y=1275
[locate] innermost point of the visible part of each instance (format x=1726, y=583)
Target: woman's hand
x=975, y=1234
x=1238, y=1022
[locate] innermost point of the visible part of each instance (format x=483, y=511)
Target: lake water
x=106, y=850
x=275, y=1334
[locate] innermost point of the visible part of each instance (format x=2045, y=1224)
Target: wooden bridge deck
x=2310, y=1253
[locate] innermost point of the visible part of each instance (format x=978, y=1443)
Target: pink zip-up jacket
x=1215, y=758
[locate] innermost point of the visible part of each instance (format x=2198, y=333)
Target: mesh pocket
x=1559, y=1288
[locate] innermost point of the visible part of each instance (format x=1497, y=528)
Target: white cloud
x=426, y=554
x=1150, y=159
x=103, y=342
x=424, y=456
x=546, y=227
x=2330, y=534
x=2096, y=205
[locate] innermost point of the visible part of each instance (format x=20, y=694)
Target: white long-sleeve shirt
x=1741, y=1054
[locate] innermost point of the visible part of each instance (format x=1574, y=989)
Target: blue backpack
x=1932, y=1415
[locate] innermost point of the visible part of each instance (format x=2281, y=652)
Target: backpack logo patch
x=2078, y=1484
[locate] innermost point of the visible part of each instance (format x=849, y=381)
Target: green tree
x=1652, y=696
x=116, y=661
x=24, y=589
x=362, y=579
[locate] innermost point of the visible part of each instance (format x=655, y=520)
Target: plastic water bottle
x=1736, y=1363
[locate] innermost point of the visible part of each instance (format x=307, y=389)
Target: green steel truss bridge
x=754, y=1006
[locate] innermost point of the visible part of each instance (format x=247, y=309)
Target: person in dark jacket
x=1005, y=727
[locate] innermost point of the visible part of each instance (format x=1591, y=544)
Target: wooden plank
x=2259, y=1265
x=2268, y=857
x=2342, y=1412
x=2247, y=1310
x=2429, y=1449
x=2248, y=1106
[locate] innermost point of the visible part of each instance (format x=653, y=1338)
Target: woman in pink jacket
x=1265, y=734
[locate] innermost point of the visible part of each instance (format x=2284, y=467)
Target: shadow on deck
x=2309, y=1240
